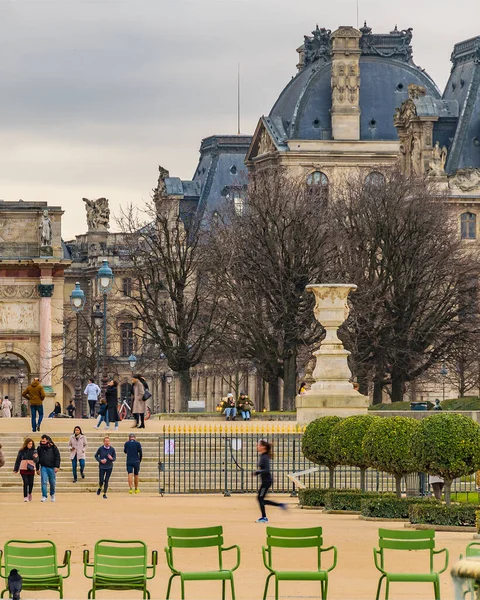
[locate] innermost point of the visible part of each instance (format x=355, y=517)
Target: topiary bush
x=312, y=496
x=387, y=446
x=447, y=445
x=348, y=499
x=432, y=513
x=316, y=444
x=390, y=507
x=346, y=442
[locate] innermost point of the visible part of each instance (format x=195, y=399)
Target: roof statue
x=436, y=166
x=45, y=228
x=98, y=214
x=318, y=47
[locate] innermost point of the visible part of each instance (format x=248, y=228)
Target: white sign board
x=169, y=447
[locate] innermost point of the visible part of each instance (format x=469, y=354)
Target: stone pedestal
x=332, y=393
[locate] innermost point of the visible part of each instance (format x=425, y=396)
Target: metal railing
x=201, y=459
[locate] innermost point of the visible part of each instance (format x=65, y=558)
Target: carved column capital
x=45, y=290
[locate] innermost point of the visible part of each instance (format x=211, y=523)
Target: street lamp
x=169, y=379
x=21, y=379
x=97, y=318
x=105, y=281
x=444, y=373
x=77, y=300
x=132, y=361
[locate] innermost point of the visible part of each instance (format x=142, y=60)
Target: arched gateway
x=32, y=267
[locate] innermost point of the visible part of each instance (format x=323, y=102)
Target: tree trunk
x=448, y=487
x=397, y=388
x=185, y=381
x=362, y=479
x=274, y=395
x=290, y=380
x=363, y=386
x=331, y=477
x=398, y=486
x=377, y=392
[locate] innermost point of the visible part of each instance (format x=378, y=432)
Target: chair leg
x=325, y=589
x=387, y=587
x=276, y=588
x=182, y=584
x=233, y=588
x=436, y=588
x=3, y=592
x=223, y=589
x=379, y=587
x=169, y=587
x=147, y=593
x=266, y=586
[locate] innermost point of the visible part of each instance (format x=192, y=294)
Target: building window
x=236, y=196
x=317, y=178
x=126, y=332
x=375, y=178
x=127, y=286
x=468, y=226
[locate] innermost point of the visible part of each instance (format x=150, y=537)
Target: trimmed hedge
x=349, y=499
x=431, y=513
x=313, y=496
x=387, y=507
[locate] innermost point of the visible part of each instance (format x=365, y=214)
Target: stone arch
x=27, y=358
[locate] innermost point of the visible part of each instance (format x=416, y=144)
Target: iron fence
x=204, y=460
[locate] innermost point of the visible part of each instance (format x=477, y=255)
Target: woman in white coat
x=77, y=445
x=6, y=408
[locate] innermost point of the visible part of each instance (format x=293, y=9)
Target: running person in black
x=105, y=456
x=264, y=448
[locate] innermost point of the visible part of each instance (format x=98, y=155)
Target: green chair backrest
x=120, y=559
x=201, y=537
x=294, y=538
x=36, y=558
x=399, y=539
x=472, y=550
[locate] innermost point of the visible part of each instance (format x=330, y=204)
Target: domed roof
x=386, y=70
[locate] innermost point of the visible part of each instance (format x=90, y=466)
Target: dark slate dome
x=386, y=70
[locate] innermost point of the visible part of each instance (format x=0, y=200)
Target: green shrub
x=316, y=444
x=447, y=445
x=348, y=499
x=387, y=446
x=477, y=520
x=389, y=507
x=431, y=513
x=312, y=496
x=346, y=442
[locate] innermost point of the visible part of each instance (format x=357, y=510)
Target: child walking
x=264, y=449
x=105, y=456
x=102, y=415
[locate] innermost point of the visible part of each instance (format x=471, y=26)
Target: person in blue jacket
x=105, y=456
x=133, y=450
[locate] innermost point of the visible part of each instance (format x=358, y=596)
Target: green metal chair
x=393, y=539
x=204, y=537
x=311, y=537
x=36, y=561
x=119, y=565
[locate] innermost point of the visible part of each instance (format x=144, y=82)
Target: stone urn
x=332, y=393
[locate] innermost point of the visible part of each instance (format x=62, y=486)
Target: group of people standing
x=45, y=461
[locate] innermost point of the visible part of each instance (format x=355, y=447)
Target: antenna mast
x=357, y=13
x=238, y=99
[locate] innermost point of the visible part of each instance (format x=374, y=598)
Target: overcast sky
x=95, y=94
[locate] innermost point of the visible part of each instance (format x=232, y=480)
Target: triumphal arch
x=32, y=264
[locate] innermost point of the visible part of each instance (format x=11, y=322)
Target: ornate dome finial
x=365, y=30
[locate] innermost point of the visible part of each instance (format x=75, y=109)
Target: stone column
x=46, y=291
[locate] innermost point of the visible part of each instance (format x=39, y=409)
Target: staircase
x=11, y=443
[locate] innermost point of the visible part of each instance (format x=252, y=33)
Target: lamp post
x=443, y=373
x=21, y=379
x=97, y=318
x=77, y=300
x=105, y=281
x=169, y=379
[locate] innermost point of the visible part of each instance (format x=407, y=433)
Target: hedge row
x=390, y=507
x=337, y=499
x=431, y=513
x=312, y=496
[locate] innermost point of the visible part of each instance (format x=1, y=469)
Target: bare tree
x=396, y=239
x=271, y=248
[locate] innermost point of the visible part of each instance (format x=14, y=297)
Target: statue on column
x=45, y=228
x=98, y=214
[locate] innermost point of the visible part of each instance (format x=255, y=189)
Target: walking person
x=35, y=394
x=48, y=465
x=437, y=484
x=92, y=392
x=138, y=405
x=6, y=408
x=105, y=456
x=111, y=396
x=264, y=449
x=26, y=463
x=102, y=415
x=133, y=450
x=77, y=445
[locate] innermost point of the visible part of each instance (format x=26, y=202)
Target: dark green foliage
x=316, y=441
x=431, y=513
x=348, y=499
x=347, y=439
x=312, y=496
x=390, y=507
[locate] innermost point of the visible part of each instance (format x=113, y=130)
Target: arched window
x=375, y=178
x=317, y=178
x=468, y=226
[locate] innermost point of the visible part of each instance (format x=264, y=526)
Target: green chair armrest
x=86, y=564
x=168, y=553
x=238, y=555
x=2, y=567
x=378, y=552
x=153, y=566
x=446, y=558
x=334, y=556
x=267, y=561
x=66, y=562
